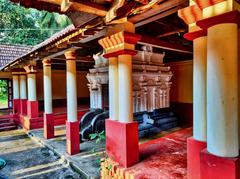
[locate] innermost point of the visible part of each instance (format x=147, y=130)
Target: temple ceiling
x=155, y=20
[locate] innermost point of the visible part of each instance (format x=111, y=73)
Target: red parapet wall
x=36, y=123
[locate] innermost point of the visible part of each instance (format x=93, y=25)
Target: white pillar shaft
x=222, y=90
x=71, y=91
x=23, y=87
x=15, y=87
x=125, y=88
x=32, y=94
x=113, y=89
x=199, y=89
x=47, y=80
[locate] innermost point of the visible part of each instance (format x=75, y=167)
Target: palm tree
x=54, y=21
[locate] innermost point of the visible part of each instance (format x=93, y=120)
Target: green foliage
x=98, y=136
x=3, y=90
x=19, y=25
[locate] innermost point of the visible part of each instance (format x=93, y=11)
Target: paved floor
x=163, y=158
x=86, y=162
x=27, y=159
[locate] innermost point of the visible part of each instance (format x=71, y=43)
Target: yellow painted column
x=23, y=87
x=113, y=88
x=222, y=90
x=71, y=86
x=32, y=91
x=125, y=88
x=15, y=79
x=199, y=88
x=47, y=80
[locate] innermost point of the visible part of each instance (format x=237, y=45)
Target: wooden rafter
x=171, y=33
x=147, y=40
x=81, y=6
x=158, y=8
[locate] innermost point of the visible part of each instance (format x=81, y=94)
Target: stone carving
x=151, y=81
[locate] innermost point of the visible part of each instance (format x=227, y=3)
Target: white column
x=199, y=89
x=113, y=88
x=15, y=79
x=71, y=91
x=222, y=90
x=47, y=86
x=32, y=94
x=23, y=87
x=125, y=88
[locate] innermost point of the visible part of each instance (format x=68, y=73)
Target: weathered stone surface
x=28, y=159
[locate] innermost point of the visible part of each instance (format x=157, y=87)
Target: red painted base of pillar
x=32, y=109
x=16, y=106
x=122, y=142
x=72, y=138
x=23, y=104
x=194, y=148
x=219, y=167
x=48, y=126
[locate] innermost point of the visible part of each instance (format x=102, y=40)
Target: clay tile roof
x=28, y=50
x=55, y=36
x=9, y=53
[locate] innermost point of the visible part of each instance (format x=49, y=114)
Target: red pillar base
x=72, y=137
x=23, y=104
x=219, y=167
x=48, y=126
x=32, y=109
x=194, y=148
x=16, y=106
x=122, y=142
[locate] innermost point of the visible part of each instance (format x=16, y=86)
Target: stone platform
x=86, y=163
x=162, y=156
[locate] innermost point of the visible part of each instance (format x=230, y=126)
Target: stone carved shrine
x=151, y=81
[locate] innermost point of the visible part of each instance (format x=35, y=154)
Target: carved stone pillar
x=72, y=124
x=123, y=145
x=16, y=94
x=23, y=93
x=32, y=103
x=48, y=111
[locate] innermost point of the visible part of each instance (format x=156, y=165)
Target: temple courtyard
x=31, y=156
x=120, y=89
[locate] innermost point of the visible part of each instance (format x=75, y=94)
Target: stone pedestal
x=194, y=149
x=72, y=137
x=214, y=167
x=48, y=121
x=122, y=142
x=23, y=104
x=16, y=106
x=32, y=109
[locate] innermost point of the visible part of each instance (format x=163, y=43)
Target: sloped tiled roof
x=9, y=53
x=26, y=50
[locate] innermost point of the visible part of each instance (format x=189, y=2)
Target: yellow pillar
x=113, y=88
x=199, y=88
x=222, y=90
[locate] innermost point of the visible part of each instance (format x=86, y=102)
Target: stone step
x=4, y=124
x=8, y=128
x=5, y=120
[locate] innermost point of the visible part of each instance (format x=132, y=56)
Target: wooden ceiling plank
x=83, y=7
x=159, y=16
x=158, y=9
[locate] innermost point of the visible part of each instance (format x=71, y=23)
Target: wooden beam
x=159, y=16
x=152, y=41
x=171, y=33
x=158, y=9
x=87, y=7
